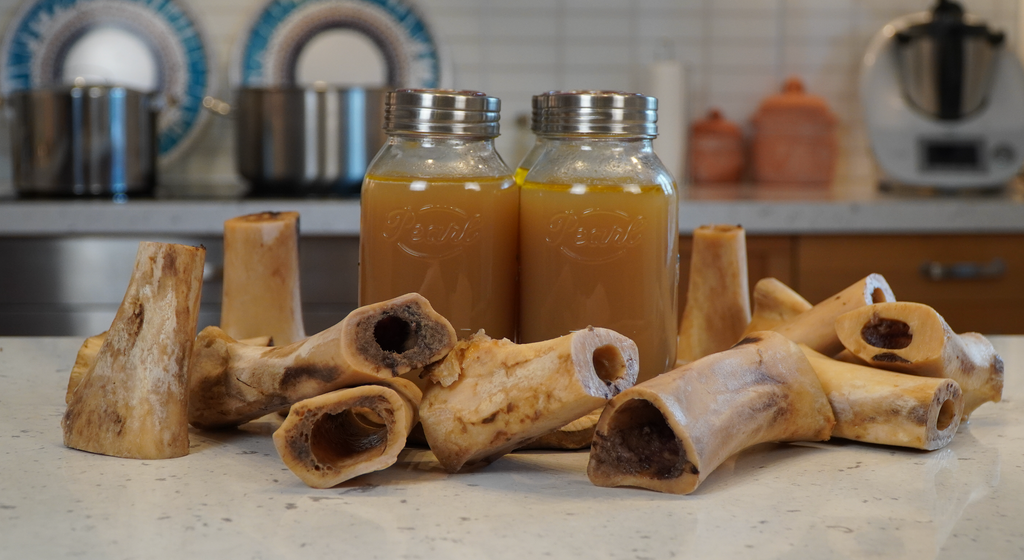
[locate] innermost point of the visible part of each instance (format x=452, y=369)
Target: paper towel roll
x=666, y=80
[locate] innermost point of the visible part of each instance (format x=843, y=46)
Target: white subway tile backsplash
x=525, y=27
x=670, y=26
x=595, y=27
x=457, y=25
x=747, y=8
x=822, y=55
x=611, y=77
x=729, y=56
x=619, y=6
x=512, y=52
x=759, y=28
x=818, y=26
x=598, y=54
x=524, y=84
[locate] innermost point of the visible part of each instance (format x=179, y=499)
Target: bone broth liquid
x=601, y=256
x=598, y=227
x=440, y=212
x=453, y=242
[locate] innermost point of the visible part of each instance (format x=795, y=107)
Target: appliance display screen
x=954, y=156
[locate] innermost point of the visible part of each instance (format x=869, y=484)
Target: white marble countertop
x=845, y=208
x=231, y=497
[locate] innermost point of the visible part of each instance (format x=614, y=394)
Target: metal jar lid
x=599, y=112
x=539, y=103
x=437, y=111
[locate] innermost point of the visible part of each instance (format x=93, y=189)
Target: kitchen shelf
x=846, y=208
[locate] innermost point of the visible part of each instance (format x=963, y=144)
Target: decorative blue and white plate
x=150, y=45
x=269, y=53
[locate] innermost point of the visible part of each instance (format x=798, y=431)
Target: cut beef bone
x=232, y=383
x=337, y=436
x=717, y=299
x=132, y=402
x=878, y=406
x=669, y=433
x=488, y=397
x=913, y=338
x=261, y=278
x=816, y=326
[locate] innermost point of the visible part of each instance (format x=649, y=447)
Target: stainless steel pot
x=80, y=141
x=298, y=141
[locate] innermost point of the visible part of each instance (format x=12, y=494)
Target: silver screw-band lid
x=599, y=112
x=436, y=111
x=539, y=103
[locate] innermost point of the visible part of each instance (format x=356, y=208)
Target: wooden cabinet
x=975, y=281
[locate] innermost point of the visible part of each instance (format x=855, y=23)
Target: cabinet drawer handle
x=936, y=271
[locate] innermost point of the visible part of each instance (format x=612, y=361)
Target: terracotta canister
x=794, y=138
x=716, y=150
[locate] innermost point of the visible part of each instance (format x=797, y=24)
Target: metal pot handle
x=217, y=106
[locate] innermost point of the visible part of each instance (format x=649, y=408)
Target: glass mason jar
x=598, y=227
x=440, y=212
x=536, y=121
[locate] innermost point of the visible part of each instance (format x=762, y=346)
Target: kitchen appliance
x=307, y=141
x=88, y=140
x=944, y=101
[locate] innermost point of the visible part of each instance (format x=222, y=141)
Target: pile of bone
x=357, y=391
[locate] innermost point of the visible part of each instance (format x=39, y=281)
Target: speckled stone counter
x=845, y=208
x=233, y=498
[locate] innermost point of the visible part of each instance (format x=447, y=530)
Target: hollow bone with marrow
x=913, y=338
x=337, y=436
x=878, y=406
x=232, y=383
x=489, y=396
x=669, y=433
x=816, y=326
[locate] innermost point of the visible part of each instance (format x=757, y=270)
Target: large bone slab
x=878, y=406
x=132, y=402
x=816, y=326
x=913, y=338
x=233, y=382
x=717, y=299
x=261, y=278
x=774, y=304
x=488, y=396
x=669, y=433
x=337, y=436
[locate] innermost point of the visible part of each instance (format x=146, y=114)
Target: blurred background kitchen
x=733, y=55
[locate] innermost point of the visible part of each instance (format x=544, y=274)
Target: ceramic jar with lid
x=794, y=138
x=716, y=150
